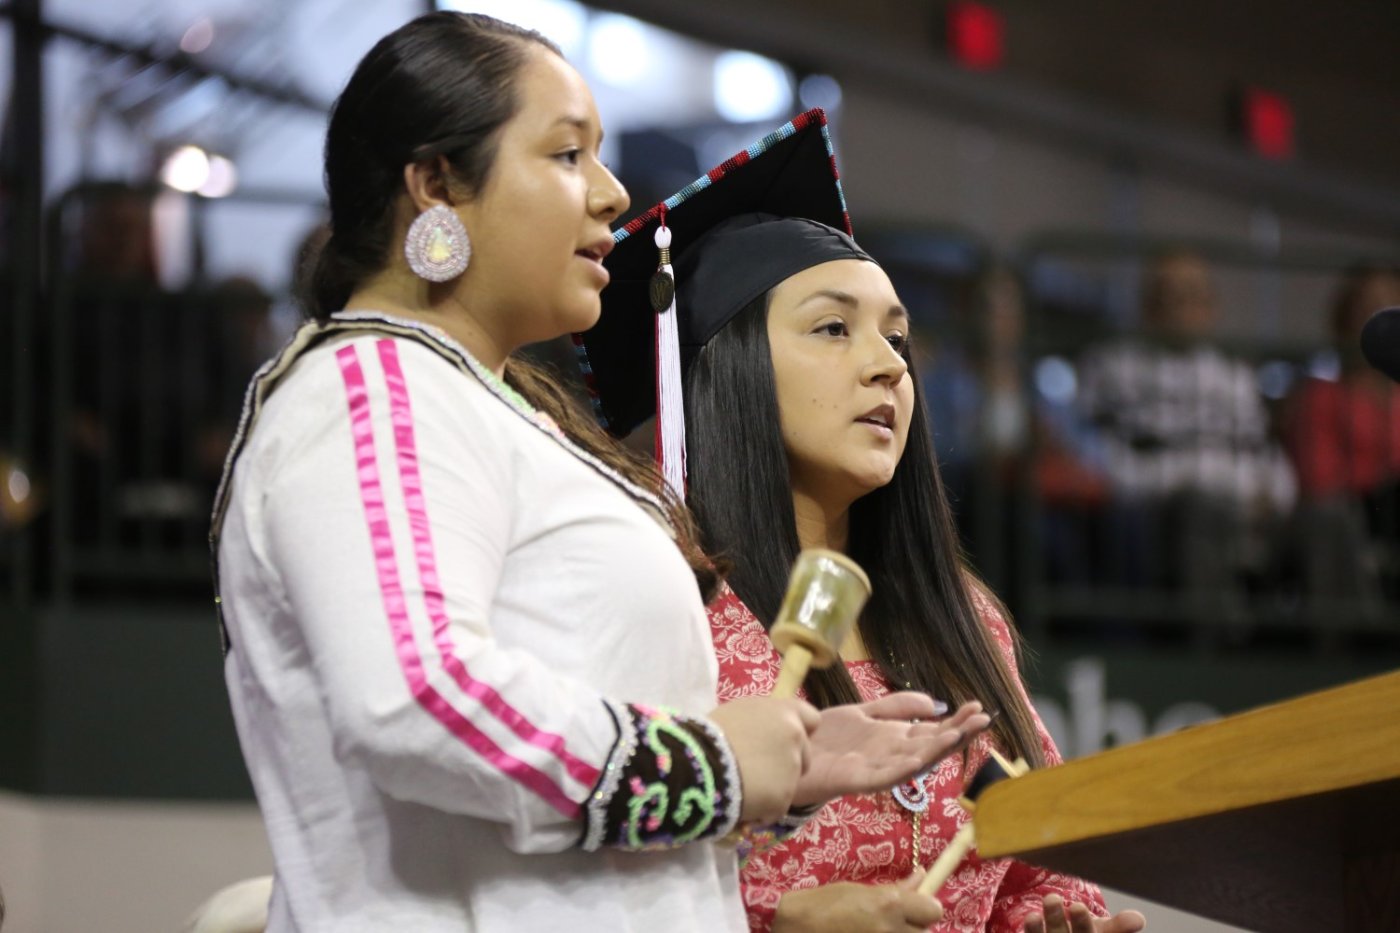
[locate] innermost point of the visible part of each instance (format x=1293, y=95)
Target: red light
x=1268, y=123
x=975, y=35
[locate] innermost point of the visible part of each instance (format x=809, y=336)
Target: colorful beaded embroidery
x=669, y=780
x=755, y=839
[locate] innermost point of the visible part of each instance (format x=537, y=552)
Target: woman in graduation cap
x=454, y=608
x=803, y=427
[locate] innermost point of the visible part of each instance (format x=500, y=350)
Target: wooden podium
x=1285, y=818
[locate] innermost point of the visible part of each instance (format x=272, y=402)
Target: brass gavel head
x=826, y=592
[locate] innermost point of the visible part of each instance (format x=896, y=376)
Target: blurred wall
x=908, y=165
x=79, y=866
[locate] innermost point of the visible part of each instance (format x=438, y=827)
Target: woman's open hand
x=1057, y=918
x=874, y=746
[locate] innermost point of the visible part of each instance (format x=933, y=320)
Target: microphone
x=1380, y=342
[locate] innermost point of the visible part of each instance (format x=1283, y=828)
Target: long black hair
x=920, y=624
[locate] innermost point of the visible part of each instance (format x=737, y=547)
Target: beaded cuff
x=755, y=839
x=669, y=780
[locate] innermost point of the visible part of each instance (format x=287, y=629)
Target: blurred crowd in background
x=1235, y=485
x=1120, y=461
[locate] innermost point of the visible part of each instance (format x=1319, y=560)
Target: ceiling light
x=222, y=178
x=198, y=37
x=749, y=87
x=186, y=169
x=618, y=50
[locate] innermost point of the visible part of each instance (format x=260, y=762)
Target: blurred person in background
x=973, y=378
x=157, y=376
x=118, y=348
x=991, y=424
x=241, y=334
x=116, y=236
x=115, y=257
x=1197, y=478
x=1343, y=435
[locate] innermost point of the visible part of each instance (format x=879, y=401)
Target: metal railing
x=133, y=395
x=1293, y=581
x=137, y=391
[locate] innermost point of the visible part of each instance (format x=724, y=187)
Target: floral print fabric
x=869, y=838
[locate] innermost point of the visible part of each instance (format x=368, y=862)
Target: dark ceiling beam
x=174, y=61
x=780, y=30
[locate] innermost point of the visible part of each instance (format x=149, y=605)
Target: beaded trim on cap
x=815, y=116
x=800, y=122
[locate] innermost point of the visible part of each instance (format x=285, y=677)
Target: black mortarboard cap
x=760, y=217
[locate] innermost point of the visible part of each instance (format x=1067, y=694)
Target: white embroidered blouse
x=438, y=614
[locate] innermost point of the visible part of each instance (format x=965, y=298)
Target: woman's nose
x=886, y=365
x=607, y=198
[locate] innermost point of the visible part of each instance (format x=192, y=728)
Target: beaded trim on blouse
x=265, y=381
x=731, y=771
x=603, y=793
x=756, y=839
x=505, y=393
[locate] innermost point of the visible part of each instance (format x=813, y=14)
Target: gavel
x=997, y=769
x=826, y=592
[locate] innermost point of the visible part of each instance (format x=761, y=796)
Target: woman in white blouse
x=450, y=602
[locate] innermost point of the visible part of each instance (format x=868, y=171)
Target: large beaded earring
x=437, y=247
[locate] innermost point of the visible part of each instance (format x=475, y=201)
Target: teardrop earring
x=437, y=247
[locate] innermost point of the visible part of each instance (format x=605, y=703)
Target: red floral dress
x=868, y=838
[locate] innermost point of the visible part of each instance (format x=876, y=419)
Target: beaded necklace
x=913, y=794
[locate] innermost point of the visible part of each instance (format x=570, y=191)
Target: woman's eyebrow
x=845, y=298
x=584, y=124
x=852, y=302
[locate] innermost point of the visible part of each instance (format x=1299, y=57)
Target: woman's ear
x=426, y=183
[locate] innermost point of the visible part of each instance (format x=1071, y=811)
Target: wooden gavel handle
x=939, y=871
x=796, y=662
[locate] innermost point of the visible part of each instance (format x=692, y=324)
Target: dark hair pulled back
x=441, y=85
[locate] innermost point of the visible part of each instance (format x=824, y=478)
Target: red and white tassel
x=670, y=404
